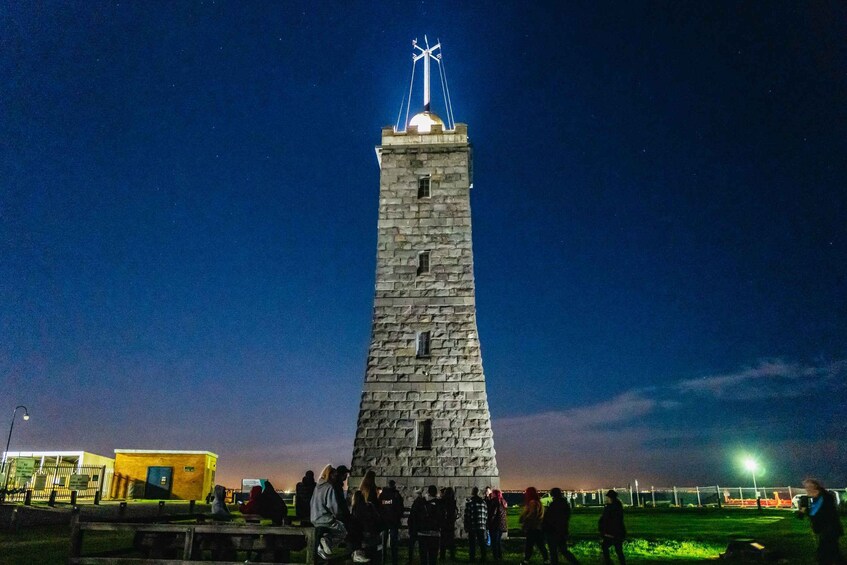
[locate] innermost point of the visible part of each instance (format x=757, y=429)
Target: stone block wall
x=447, y=386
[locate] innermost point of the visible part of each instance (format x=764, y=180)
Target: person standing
x=612, y=529
x=556, y=527
x=530, y=520
x=476, y=523
x=823, y=514
x=449, y=515
x=497, y=522
x=368, y=522
x=413, y=527
x=391, y=510
x=303, y=497
x=426, y=516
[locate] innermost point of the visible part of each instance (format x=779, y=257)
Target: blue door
x=159, y=481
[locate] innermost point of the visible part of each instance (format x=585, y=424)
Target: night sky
x=188, y=208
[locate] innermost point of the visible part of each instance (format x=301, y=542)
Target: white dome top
x=424, y=121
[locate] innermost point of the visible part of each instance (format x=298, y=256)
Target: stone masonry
x=424, y=415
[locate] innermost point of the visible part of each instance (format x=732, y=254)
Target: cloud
x=669, y=433
x=769, y=378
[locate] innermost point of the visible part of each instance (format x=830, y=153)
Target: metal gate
x=22, y=476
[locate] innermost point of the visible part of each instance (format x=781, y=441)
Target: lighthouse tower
x=424, y=415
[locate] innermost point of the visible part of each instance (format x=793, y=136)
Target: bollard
x=161, y=507
x=52, y=501
x=73, y=498
x=97, y=498
x=28, y=498
x=122, y=509
x=191, y=507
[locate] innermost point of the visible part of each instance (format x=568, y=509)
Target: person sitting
x=329, y=513
x=219, y=509
x=272, y=506
x=303, y=497
x=251, y=507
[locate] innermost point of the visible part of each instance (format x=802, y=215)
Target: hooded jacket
x=327, y=508
x=252, y=505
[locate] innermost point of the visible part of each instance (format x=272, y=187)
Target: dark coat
x=449, y=515
x=826, y=522
x=497, y=518
x=303, y=497
x=390, y=506
x=366, y=515
x=611, y=521
x=272, y=506
x=557, y=518
x=426, y=516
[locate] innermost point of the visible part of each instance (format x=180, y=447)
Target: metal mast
x=427, y=55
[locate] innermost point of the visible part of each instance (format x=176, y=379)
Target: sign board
x=24, y=468
x=247, y=484
x=40, y=481
x=78, y=482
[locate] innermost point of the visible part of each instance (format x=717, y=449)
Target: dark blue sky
x=188, y=226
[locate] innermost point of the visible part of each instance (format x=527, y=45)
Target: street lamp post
x=12, y=427
x=752, y=466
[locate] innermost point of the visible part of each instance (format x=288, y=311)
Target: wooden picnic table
x=165, y=542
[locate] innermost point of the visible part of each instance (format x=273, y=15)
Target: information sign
x=24, y=468
x=78, y=482
x=247, y=484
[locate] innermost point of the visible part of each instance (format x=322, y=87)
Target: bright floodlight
x=751, y=465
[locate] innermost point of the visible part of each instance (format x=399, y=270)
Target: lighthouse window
x=423, y=344
x=423, y=262
x=424, y=439
x=423, y=187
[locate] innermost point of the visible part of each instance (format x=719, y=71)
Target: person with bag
x=497, y=522
x=530, y=520
x=427, y=518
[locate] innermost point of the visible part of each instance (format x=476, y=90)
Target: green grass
x=678, y=536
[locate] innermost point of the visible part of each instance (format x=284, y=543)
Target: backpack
x=430, y=515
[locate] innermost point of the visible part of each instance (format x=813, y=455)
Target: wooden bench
x=170, y=544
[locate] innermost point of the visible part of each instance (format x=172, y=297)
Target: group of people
x=374, y=516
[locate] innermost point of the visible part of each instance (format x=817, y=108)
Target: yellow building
x=163, y=475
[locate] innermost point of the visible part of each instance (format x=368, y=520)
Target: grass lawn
x=655, y=536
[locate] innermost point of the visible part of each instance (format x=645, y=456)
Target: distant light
x=751, y=465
